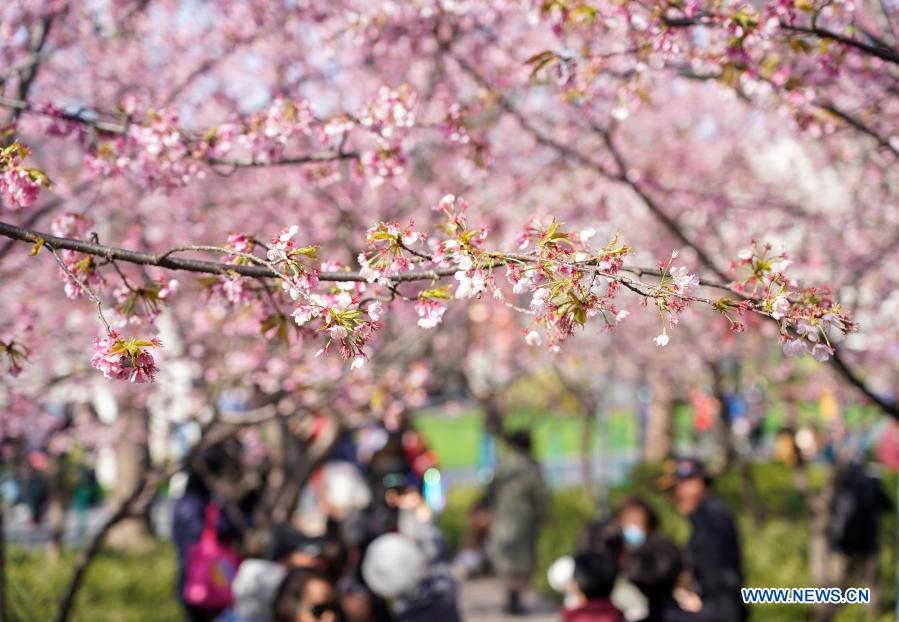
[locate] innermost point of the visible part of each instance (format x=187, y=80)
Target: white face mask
x=634, y=536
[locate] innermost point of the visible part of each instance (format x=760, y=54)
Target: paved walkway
x=482, y=600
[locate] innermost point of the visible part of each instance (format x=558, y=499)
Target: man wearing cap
x=713, y=549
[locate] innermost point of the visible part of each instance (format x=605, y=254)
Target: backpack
x=210, y=568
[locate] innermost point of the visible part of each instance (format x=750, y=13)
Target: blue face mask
x=634, y=536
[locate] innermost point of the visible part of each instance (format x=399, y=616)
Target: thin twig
x=81, y=284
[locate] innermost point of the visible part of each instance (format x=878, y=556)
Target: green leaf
x=580, y=315
x=436, y=293
x=39, y=176
x=306, y=251
x=147, y=344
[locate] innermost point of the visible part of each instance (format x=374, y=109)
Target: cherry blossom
x=430, y=312
x=390, y=112
x=545, y=128
x=120, y=358
x=18, y=183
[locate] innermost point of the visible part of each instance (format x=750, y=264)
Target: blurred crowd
x=361, y=546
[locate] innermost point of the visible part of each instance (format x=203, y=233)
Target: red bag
x=211, y=567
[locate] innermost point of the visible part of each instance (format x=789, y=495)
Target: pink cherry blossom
x=122, y=359
x=430, y=312
x=686, y=283
x=19, y=185
x=822, y=352
x=780, y=308
x=795, y=347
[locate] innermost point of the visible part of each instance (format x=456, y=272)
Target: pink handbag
x=211, y=567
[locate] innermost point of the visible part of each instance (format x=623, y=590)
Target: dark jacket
x=669, y=611
x=714, y=554
x=595, y=610
x=854, y=528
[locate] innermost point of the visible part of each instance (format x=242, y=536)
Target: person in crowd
x=595, y=573
x=189, y=520
x=291, y=548
x=713, y=549
x=434, y=599
x=638, y=521
x=329, y=556
x=518, y=502
x=854, y=528
x=305, y=595
x=255, y=586
x=85, y=496
x=657, y=569
x=600, y=534
x=471, y=560
x=386, y=469
x=605, y=535
x=36, y=487
x=409, y=565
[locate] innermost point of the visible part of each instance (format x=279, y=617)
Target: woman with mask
x=632, y=523
x=638, y=521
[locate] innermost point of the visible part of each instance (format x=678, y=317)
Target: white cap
x=394, y=565
x=255, y=588
x=344, y=487
x=561, y=573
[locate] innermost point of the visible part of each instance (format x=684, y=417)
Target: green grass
x=119, y=587
x=456, y=438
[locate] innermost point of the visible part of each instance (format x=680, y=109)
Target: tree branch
x=108, y=127
x=891, y=408
x=883, y=53
x=859, y=125
x=165, y=260
x=878, y=51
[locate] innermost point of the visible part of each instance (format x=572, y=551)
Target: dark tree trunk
x=132, y=459
x=819, y=504
x=659, y=420
x=732, y=458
